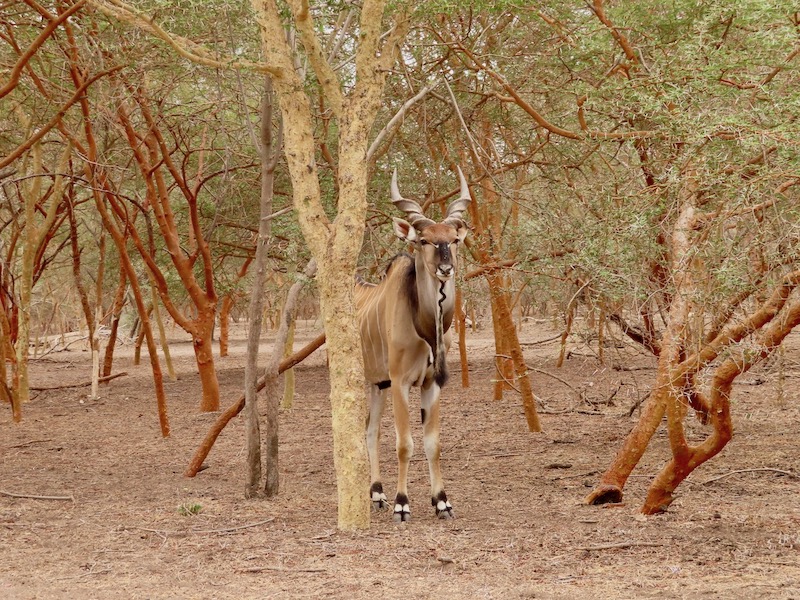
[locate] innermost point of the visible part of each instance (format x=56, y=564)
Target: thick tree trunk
x=348, y=401
x=335, y=245
x=203, y=344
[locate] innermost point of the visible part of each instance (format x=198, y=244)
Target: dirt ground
x=521, y=530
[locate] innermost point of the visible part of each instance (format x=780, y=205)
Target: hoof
x=444, y=510
x=402, y=511
x=605, y=494
x=379, y=501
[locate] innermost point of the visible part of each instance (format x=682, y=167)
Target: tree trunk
x=514, y=349
x=162, y=334
x=461, y=325
x=204, y=354
x=116, y=314
x=268, y=155
x=348, y=401
x=335, y=244
x=98, y=180
x=288, y=376
x=224, y=323
x=225, y=417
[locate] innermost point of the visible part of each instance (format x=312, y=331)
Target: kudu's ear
x=404, y=230
x=462, y=232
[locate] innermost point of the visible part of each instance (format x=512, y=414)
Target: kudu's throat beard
x=439, y=362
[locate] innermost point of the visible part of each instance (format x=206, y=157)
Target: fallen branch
x=35, y=497
x=280, y=569
x=556, y=377
x=724, y=475
x=24, y=444
x=617, y=545
x=211, y=437
x=78, y=385
x=165, y=532
x=544, y=341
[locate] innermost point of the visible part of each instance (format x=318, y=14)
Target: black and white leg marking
x=379, y=501
x=402, y=511
x=441, y=504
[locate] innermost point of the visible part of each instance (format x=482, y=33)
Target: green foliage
x=710, y=82
x=190, y=509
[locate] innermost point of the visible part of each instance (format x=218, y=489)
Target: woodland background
x=637, y=162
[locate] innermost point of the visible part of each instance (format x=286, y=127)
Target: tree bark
x=335, y=245
x=116, y=314
x=461, y=325
x=268, y=151
x=234, y=409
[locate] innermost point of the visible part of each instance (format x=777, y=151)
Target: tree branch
x=326, y=76
x=16, y=71
x=399, y=116
x=183, y=46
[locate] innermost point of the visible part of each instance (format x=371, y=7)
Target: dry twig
x=166, y=532
x=78, y=385
x=70, y=498
x=724, y=475
x=280, y=569
x=618, y=545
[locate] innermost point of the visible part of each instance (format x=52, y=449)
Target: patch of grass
x=188, y=509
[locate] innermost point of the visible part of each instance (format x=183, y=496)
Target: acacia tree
x=665, y=154
x=156, y=163
x=335, y=244
x=354, y=97
x=34, y=176
x=642, y=122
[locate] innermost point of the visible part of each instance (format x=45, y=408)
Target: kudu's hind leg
x=377, y=399
x=430, y=431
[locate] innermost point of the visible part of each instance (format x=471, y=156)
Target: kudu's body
x=405, y=322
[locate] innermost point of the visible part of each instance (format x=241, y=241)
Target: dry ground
x=521, y=530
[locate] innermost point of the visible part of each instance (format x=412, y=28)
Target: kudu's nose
x=445, y=271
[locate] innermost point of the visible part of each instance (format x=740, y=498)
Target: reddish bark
x=116, y=313
x=233, y=410
x=227, y=304
x=224, y=317
x=153, y=159
x=102, y=186
x=461, y=327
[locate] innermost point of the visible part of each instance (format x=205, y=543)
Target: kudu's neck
x=432, y=295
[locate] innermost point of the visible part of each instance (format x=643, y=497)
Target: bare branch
x=326, y=76
x=397, y=118
x=183, y=46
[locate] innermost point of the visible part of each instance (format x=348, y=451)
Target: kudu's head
x=436, y=243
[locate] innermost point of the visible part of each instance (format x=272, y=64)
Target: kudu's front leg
x=430, y=431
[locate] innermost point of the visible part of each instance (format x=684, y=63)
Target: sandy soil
x=521, y=530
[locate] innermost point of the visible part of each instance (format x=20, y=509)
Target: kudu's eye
x=424, y=242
